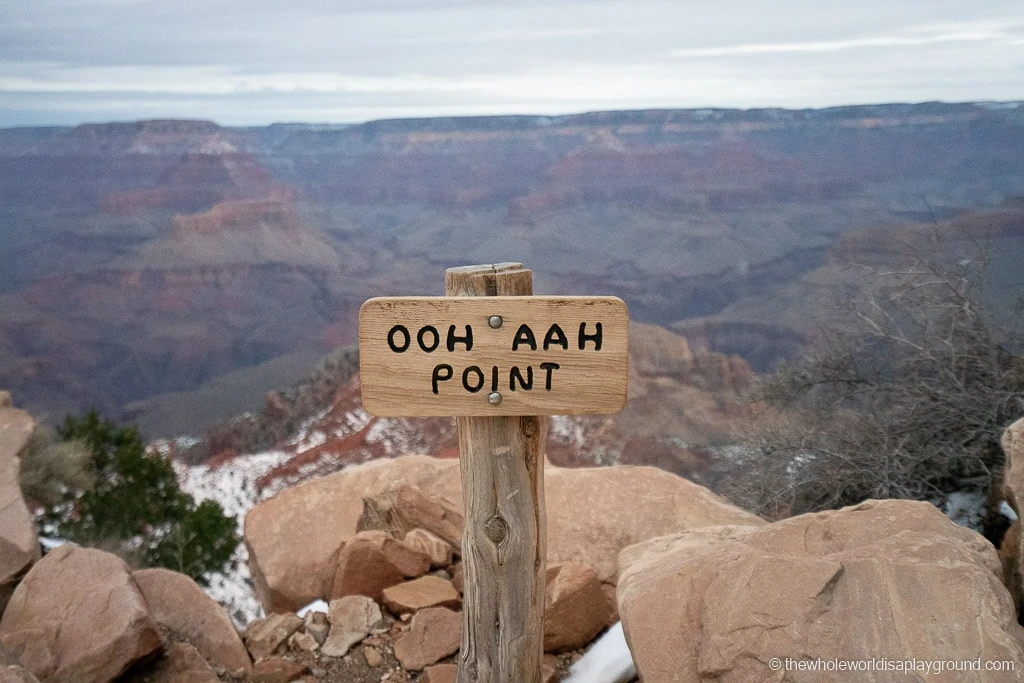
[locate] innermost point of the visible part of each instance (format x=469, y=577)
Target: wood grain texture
x=440, y=356
x=504, y=544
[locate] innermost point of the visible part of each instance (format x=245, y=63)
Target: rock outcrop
x=889, y=580
x=19, y=546
x=77, y=617
x=592, y=514
x=1013, y=491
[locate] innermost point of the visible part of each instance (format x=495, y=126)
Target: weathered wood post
x=499, y=360
x=504, y=553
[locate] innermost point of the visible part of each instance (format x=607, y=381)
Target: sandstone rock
x=19, y=546
x=373, y=657
x=264, y=636
x=884, y=579
x=593, y=513
x=434, y=633
x=1013, y=491
x=440, y=673
x=316, y=625
x=14, y=673
x=5, y=399
x=300, y=640
x=371, y=561
x=352, y=618
x=77, y=616
x=439, y=551
x=575, y=607
x=291, y=567
x=182, y=663
x=277, y=670
x=426, y=591
x=178, y=604
x=1013, y=448
x=413, y=509
x=586, y=522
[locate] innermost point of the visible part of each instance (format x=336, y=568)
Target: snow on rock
x=233, y=484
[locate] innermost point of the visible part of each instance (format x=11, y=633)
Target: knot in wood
x=529, y=426
x=496, y=529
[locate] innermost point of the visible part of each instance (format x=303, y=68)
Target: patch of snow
x=607, y=661
x=315, y=606
x=233, y=485
x=49, y=543
x=966, y=508
x=312, y=440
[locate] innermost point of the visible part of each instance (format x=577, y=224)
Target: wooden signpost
x=499, y=363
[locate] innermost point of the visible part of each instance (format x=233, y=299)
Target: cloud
x=257, y=61
x=916, y=37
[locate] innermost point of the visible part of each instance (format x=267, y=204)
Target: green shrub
x=135, y=506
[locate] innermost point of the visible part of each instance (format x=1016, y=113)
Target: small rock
x=264, y=636
x=277, y=670
x=576, y=607
x=371, y=562
x=316, y=625
x=440, y=673
x=438, y=550
x=426, y=591
x=436, y=633
x=300, y=640
x=373, y=656
x=352, y=618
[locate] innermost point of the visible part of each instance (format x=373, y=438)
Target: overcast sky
x=261, y=61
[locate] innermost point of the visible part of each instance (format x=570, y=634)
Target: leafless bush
x=906, y=397
x=50, y=468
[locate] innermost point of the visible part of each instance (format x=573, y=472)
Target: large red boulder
x=883, y=580
x=77, y=617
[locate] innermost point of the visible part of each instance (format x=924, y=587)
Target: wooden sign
x=491, y=356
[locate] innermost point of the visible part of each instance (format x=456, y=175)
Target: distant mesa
x=275, y=212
